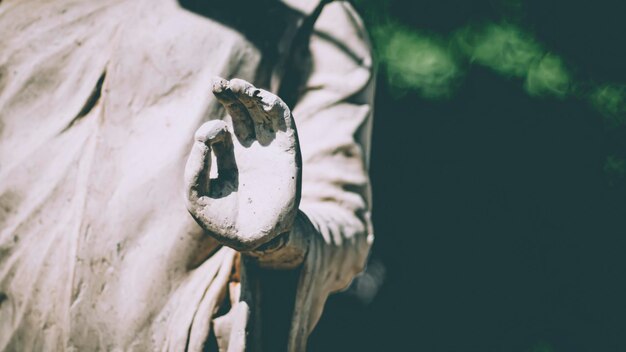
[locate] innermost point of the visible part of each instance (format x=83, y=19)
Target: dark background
x=499, y=214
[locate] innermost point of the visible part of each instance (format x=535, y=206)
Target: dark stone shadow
x=227, y=180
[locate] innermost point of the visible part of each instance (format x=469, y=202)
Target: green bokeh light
x=434, y=65
x=548, y=77
x=610, y=101
x=417, y=61
x=504, y=48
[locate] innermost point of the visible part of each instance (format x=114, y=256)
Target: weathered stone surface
x=101, y=103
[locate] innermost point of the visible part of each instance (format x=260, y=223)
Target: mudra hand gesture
x=255, y=196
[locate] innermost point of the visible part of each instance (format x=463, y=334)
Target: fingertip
x=239, y=86
x=211, y=131
x=219, y=85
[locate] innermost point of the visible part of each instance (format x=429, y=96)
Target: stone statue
x=146, y=204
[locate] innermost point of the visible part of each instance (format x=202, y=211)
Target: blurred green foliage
x=433, y=65
x=610, y=101
x=503, y=48
x=417, y=61
x=508, y=50
x=430, y=59
x=548, y=76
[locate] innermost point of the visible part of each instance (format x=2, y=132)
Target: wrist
x=287, y=250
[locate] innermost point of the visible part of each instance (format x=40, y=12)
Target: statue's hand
x=255, y=196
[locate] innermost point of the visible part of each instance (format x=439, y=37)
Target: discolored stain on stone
x=8, y=202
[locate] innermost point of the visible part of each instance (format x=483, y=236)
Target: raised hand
x=255, y=196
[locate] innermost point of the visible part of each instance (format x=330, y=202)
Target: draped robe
x=99, y=101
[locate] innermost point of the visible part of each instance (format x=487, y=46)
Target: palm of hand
x=256, y=193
